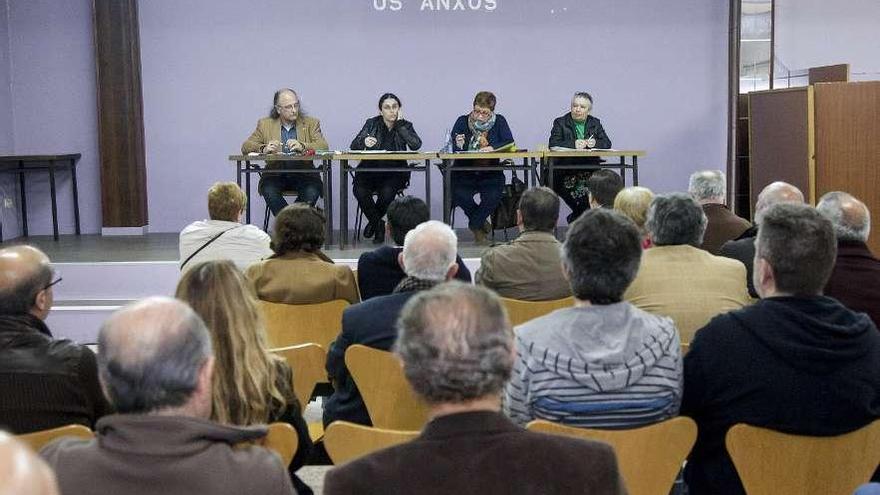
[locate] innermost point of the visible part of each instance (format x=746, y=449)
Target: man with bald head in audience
x=457, y=350
x=855, y=280
x=44, y=382
x=428, y=258
x=21, y=471
x=156, y=365
x=795, y=361
x=743, y=247
x=709, y=188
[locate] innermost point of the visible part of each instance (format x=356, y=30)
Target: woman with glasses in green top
x=577, y=130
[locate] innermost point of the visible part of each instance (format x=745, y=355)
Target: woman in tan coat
x=298, y=272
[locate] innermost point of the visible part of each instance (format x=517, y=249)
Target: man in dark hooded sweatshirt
x=796, y=361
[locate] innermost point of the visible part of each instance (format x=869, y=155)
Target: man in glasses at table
x=44, y=382
x=287, y=130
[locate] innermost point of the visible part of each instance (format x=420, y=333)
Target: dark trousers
x=307, y=186
x=384, y=185
x=489, y=185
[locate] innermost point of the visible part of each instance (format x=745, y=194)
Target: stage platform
x=101, y=273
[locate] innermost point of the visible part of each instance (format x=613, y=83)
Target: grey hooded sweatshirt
x=604, y=366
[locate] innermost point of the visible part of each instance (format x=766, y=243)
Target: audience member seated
x=223, y=236
x=156, y=365
x=428, y=258
x=633, y=202
x=603, y=363
x=709, y=188
x=44, y=383
x=795, y=361
x=528, y=268
x=743, y=248
x=855, y=280
x=603, y=186
x=379, y=271
x=676, y=277
x=386, y=131
x=22, y=472
x=251, y=385
x=480, y=130
x=457, y=351
x=299, y=272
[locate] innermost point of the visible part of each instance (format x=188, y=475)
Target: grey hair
x=675, y=219
x=601, y=255
x=150, y=354
x=799, y=244
x=429, y=250
x=708, y=185
x=850, y=217
x=583, y=94
x=456, y=343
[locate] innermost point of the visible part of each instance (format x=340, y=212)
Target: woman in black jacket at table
x=390, y=132
x=577, y=130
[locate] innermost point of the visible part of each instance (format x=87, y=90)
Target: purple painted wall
x=657, y=72
x=8, y=189
x=5, y=84
x=53, y=106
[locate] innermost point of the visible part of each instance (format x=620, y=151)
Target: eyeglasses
x=288, y=107
x=482, y=112
x=59, y=279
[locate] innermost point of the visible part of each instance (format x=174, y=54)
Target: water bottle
x=447, y=141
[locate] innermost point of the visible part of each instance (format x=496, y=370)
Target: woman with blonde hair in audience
x=634, y=202
x=299, y=272
x=251, y=385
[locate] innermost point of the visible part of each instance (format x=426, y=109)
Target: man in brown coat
x=855, y=280
x=529, y=268
x=287, y=130
x=457, y=351
x=679, y=280
x=709, y=189
x=156, y=364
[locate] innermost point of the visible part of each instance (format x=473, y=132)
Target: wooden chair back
x=294, y=324
x=307, y=362
x=390, y=401
x=520, y=312
x=38, y=439
x=771, y=462
x=649, y=457
x=281, y=439
x=345, y=441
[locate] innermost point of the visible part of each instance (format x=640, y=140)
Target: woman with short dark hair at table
x=480, y=130
x=577, y=130
x=390, y=132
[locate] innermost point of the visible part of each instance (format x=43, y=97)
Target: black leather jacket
x=45, y=383
x=563, y=133
x=398, y=138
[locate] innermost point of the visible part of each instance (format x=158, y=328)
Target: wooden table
x=28, y=164
x=530, y=160
x=345, y=168
x=245, y=167
x=549, y=159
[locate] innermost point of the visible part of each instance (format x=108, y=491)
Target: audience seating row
x=281, y=438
